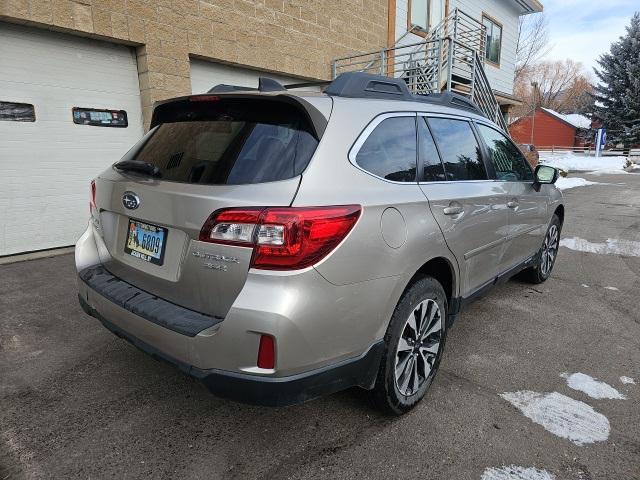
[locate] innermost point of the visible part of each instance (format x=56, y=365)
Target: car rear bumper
x=326, y=334
x=150, y=307
x=267, y=391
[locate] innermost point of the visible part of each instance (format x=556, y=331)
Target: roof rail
x=450, y=99
x=366, y=85
x=360, y=85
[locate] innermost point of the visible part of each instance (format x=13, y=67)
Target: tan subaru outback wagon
x=280, y=244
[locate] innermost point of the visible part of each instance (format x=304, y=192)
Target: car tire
x=414, y=343
x=546, y=256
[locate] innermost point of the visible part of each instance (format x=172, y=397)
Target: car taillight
x=283, y=238
x=234, y=226
x=92, y=200
x=204, y=98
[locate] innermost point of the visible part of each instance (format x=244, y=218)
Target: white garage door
x=46, y=165
x=205, y=75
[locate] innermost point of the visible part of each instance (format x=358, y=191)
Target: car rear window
x=230, y=142
x=390, y=150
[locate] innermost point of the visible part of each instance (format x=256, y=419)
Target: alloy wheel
x=549, y=250
x=418, y=347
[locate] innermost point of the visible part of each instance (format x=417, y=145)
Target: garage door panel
x=98, y=66
x=46, y=165
x=205, y=75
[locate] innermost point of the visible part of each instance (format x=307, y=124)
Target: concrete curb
x=23, y=257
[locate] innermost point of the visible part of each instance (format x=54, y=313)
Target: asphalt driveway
x=77, y=402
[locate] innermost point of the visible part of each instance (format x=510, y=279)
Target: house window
x=419, y=15
x=494, y=40
x=17, y=112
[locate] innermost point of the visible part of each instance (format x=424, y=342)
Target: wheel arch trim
x=559, y=211
x=428, y=268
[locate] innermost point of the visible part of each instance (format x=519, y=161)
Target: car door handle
x=512, y=204
x=453, y=210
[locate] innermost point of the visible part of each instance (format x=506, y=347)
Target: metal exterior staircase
x=451, y=57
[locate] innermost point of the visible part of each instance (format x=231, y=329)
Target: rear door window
x=232, y=142
x=459, y=149
x=390, y=150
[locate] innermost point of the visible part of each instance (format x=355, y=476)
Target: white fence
x=587, y=151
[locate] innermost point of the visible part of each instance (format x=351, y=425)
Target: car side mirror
x=545, y=174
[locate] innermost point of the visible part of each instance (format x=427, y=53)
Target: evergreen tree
x=618, y=94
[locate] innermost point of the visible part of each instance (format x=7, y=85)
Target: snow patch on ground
x=561, y=415
x=585, y=285
x=592, y=387
x=514, y=472
x=612, y=246
x=627, y=380
x=610, y=172
x=615, y=289
x=565, y=183
x=580, y=163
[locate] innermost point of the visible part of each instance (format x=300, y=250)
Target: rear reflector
x=283, y=238
x=267, y=352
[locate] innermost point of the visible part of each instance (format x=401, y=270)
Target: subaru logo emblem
x=130, y=200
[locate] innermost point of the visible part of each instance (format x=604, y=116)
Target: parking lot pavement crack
x=317, y=452
x=467, y=383
x=576, y=471
x=16, y=461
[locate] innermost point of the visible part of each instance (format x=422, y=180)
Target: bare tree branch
x=533, y=40
x=560, y=85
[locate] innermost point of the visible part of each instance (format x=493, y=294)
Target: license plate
x=146, y=241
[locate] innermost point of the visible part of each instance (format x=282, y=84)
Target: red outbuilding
x=548, y=128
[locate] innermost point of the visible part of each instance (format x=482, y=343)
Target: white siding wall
x=402, y=12
x=504, y=11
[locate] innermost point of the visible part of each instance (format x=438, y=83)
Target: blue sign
x=601, y=140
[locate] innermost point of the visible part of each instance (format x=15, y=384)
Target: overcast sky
x=583, y=29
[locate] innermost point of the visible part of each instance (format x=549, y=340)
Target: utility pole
x=535, y=107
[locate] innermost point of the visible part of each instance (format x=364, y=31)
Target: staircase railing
x=450, y=57
x=483, y=96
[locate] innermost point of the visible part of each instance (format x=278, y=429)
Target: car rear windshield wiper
x=139, y=166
